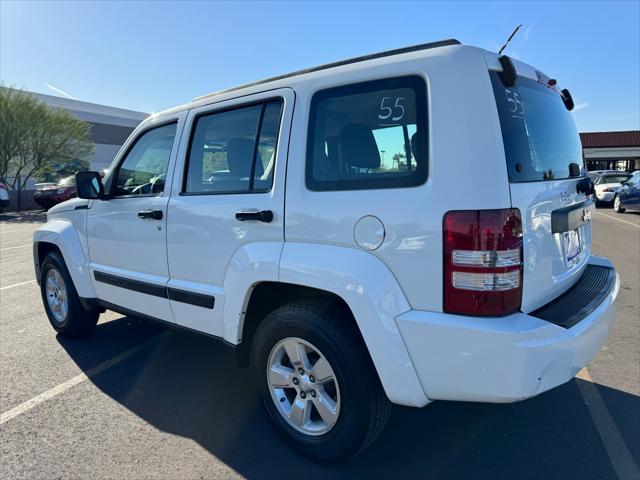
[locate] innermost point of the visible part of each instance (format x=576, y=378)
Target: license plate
x=572, y=246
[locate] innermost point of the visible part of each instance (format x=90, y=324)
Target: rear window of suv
x=612, y=179
x=368, y=135
x=539, y=134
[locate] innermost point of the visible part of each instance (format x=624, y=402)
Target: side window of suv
x=234, y=151
x=368, y=135
x=144, y=169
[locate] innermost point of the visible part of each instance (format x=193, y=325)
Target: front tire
x=316, y=381
x=66, y=314
x=617, y=205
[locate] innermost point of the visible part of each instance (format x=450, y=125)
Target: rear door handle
x=263, y=216
x=151, y=214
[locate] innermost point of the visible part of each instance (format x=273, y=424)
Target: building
x=611, y=150
x=110, y=126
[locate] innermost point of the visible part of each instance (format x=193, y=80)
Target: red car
x=47, y=197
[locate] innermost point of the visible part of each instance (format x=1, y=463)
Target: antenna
x=509, y=39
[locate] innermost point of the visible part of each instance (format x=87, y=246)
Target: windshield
x=612, y=179
x=540, y=137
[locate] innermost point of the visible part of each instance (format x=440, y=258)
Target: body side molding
x=178, y=295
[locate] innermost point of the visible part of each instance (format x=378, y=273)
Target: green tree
x=65, y=169
x=36, y=139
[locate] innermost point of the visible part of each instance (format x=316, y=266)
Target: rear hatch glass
x=540, y=137
x=604, y=179
x=540, y=142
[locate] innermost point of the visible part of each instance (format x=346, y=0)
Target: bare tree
x=35, y=138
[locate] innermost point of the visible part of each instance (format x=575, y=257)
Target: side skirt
x=102, y=305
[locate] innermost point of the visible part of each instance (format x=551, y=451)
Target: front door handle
x=151, y=214
x=263, y=216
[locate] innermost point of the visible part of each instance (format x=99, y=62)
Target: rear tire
x=359, y=407
x=617, y=205
x=66, y=314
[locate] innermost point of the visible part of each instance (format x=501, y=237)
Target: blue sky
x=152, y=55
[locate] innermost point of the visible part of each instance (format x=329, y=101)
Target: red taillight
x=483, y=262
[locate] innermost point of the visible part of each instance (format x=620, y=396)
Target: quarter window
x=144, y=169
x=368, y=135
x=233, y=151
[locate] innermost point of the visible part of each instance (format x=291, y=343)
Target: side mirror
x=89, y=186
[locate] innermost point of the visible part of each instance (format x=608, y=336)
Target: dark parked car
x=628, y=196
x=4, y=196
x=47, y=197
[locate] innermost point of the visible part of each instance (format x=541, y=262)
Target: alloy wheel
x=56, y=292
x=303, y=386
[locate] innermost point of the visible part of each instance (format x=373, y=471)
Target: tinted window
x=266, y=154
x=634, y=180
x=144, y=169
x=368, y=135
x=540, y=137
x=234, y=151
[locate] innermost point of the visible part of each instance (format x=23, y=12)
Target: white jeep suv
x=400, y=228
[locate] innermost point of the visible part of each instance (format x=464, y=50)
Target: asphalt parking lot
x=137, y=400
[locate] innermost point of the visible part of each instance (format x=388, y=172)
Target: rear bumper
x=503, y=359
x=605, y=196
x=4, y=203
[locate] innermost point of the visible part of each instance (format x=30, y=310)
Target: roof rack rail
x=387, y=53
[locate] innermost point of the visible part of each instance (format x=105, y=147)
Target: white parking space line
x=17, y=285
x=63, y=387
x=17, y=246
x=618, y=219
x=619, y=455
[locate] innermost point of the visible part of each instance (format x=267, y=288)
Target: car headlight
x=60, y=190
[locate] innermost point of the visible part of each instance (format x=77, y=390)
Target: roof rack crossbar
x=372, y=56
